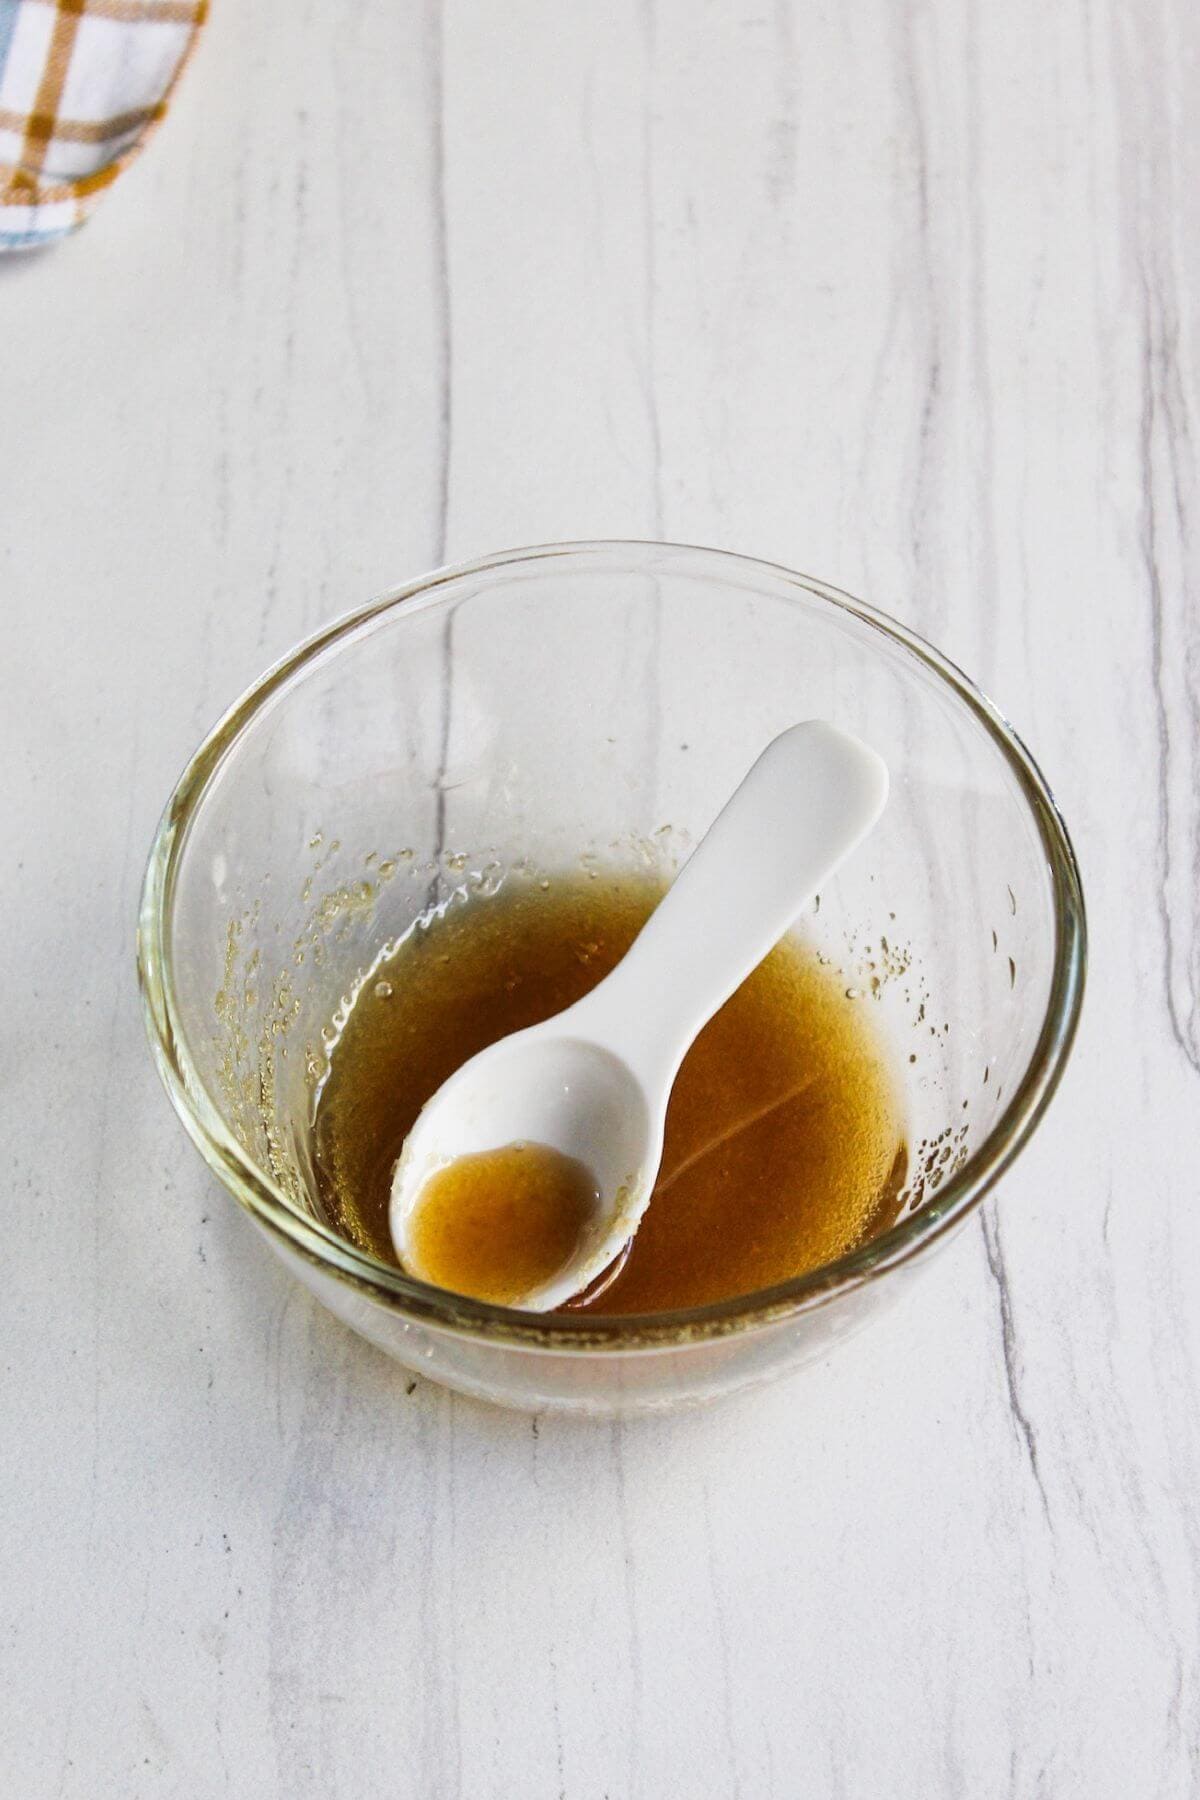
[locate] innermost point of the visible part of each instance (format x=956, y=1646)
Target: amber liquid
x=785, y=1136
x=501, y=1223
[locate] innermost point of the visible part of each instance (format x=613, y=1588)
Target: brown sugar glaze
x=500, y=1223
x=785, y=1134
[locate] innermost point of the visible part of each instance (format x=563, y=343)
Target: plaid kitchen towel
x=81, y=83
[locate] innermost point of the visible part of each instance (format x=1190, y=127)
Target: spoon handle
x=806, y=803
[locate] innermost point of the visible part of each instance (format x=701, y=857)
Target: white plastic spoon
x=593, y=1082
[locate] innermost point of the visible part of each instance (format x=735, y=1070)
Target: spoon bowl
x=549, y=1087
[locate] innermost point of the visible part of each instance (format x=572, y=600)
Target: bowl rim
x=270, y=1207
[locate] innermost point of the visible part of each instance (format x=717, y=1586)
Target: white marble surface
x=904, y=293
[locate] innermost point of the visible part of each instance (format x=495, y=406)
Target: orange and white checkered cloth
x=81, y=83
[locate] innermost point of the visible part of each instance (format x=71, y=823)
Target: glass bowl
x=599, y=701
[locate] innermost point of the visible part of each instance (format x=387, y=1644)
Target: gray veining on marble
x=906, y=294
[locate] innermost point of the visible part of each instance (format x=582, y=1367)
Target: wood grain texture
x=906, y=294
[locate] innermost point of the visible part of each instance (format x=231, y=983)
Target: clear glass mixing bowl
x=600, y=701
